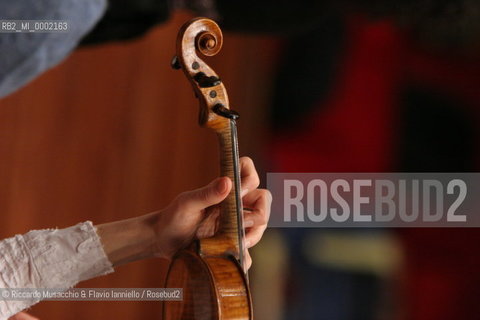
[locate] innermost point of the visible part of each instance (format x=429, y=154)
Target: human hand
x=194, y=214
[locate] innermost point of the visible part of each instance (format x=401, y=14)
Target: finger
x=209, y=225
x=202, y=198
x=249, y=175
x=260, y=201
x=248, y=259
x=251, y=219
x=254, y=235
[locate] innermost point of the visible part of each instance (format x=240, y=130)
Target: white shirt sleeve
x=51, y=258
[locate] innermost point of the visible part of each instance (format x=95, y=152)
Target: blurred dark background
x=348, y=86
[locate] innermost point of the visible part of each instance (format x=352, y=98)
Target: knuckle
x=267, y=195
x=246, y=161
x=262, y=219
x=255, y=180
x=204, y=195
x=251, y=176
x=252, y=180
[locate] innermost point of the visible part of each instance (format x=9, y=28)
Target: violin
x=211, y=271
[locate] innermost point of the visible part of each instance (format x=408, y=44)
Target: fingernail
x=221, y=186
x=247, y=244
x=248, y=223
x=244, y=192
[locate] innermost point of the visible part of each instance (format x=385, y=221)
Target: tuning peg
x=175, y=64
x=205, y=81
x=224, y=112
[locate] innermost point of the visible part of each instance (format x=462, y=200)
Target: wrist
x=129, y=240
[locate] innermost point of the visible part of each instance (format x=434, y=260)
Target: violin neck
x=231, y=216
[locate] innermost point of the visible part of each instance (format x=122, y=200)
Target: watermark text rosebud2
x=374, y=199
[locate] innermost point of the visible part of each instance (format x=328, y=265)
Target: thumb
x=213, y=193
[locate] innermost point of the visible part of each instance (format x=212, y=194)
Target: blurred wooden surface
x=112, y=133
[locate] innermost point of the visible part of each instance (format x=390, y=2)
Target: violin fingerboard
x=231, y=216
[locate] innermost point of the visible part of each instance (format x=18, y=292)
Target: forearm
x=129, y=240
x=60, y=258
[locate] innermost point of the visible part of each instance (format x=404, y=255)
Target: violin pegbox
x=203, y=36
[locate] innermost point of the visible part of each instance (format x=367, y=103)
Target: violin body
x=213, y=288
x=212, y=271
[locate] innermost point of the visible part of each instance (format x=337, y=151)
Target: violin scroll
x=210, y=42
x=202, y=36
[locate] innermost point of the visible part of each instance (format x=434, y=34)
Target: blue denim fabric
x=23, y=56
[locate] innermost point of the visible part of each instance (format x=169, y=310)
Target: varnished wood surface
x=111, y=133
x=197, y=39
x=213, y=288
x=213, y=268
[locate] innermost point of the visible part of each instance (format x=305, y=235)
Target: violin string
x=240, y=229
